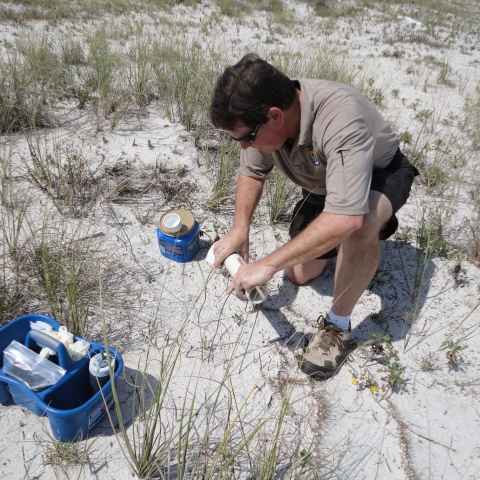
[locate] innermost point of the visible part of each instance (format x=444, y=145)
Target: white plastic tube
x=256, y=295
x=172, y=222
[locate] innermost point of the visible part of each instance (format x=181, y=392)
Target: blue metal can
x=180, y=246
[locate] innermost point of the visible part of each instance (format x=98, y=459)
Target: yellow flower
x=373, y=389
x=354, y=381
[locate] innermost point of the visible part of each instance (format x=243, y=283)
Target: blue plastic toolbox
x=71, y=406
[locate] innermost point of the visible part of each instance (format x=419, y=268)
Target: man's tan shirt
x=342, y=139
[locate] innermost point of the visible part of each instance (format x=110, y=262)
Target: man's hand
x=249, y=276
x=236, y=240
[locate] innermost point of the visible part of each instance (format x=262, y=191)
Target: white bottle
x=99, y=372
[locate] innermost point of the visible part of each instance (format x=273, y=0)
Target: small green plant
x=406, y=138
x=31, y=81
x=444, y=67
x=376, y=96
x=363, y=380
x=423, y=115
x=379, y=317
x=435, y=178
x=376, y=344
x=403, y=235
x=394, y=372
x=395, y=93
x=429, y=362
x=382, y=348
x=414, y=105
x=233, y=8
x=238, y=319
x=181, y=171
x=395, y=53
x=218, y=230
x=304, y=457
x=444, y=72
x=149, y=278
x=143, y=219
x=73, y=52
x=453, y=354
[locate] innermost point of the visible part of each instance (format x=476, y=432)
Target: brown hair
x=245, y=92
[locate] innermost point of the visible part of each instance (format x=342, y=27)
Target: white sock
x=339, y=321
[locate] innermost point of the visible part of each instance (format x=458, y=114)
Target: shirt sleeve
x=255, y=163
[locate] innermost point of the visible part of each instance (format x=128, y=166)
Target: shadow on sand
x=402, y=282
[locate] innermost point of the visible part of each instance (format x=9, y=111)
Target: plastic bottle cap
x=187, y=222
x=172, y=222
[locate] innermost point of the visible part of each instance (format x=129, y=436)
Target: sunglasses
x=249, y=137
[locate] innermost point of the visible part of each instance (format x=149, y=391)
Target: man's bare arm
x=247, y=195
x=321, y=235
x=324, y=233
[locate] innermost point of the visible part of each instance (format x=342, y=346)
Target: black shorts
x=394, y=182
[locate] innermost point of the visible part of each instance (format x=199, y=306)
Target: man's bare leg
x=358, y=259
x=359, y=256
x=304, y=272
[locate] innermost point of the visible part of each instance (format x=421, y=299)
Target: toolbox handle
x=44, y=340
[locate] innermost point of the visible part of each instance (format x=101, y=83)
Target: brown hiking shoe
x=325, y=351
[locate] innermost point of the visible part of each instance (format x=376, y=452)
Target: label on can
x=171, y=249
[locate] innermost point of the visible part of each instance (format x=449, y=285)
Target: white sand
x=427, y=428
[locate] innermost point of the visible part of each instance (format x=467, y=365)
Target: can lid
x=187, y=219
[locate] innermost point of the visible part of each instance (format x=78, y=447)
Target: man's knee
x=302, y=273
x=296, y=277
x=380, y=211
x=379, y=208
x=367, y=233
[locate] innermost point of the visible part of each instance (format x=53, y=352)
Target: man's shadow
x=402, y=282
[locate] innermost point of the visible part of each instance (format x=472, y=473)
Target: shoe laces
x=332, y=336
